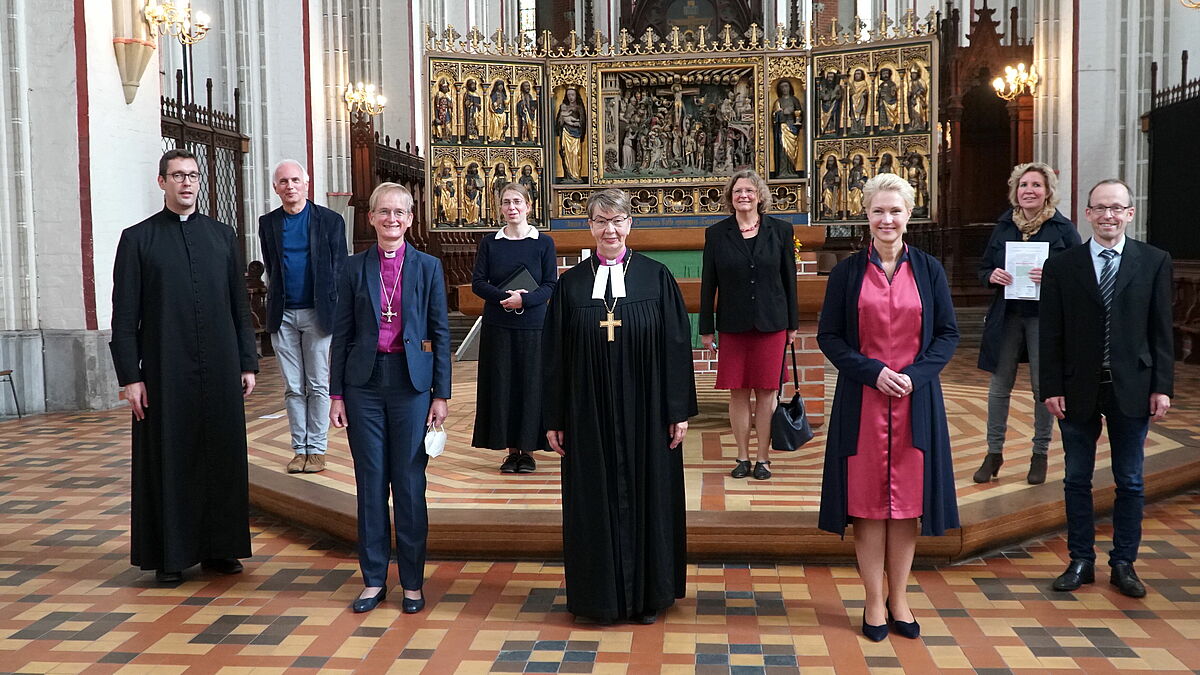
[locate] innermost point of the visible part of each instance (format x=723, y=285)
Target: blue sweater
x=499, y=259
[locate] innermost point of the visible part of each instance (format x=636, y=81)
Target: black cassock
x=624, y=529
x=181, y=324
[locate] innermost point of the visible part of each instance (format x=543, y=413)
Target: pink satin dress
x=885, y=479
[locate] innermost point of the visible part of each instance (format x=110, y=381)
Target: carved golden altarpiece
x=669, y=119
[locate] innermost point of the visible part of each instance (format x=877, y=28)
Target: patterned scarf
x=1031, y=226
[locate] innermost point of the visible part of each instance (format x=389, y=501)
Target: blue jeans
x=1127, y=436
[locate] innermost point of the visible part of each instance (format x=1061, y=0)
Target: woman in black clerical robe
x=618, y=393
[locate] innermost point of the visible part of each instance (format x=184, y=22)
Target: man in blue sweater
x=304, y=248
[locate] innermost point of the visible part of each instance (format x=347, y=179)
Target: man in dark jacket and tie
x=304, y=247
x=1106, y=343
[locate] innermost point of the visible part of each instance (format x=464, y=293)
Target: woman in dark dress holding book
x=508, y=400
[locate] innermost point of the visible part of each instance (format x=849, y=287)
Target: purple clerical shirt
x=391, y=272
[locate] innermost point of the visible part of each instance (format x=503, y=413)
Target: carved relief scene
x=677, y=123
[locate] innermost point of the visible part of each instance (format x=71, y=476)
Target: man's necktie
x=1108, y=278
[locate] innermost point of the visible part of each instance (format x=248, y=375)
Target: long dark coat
x=181, y=324
x=837, y=334
x=1059, y=232
x=624, y=516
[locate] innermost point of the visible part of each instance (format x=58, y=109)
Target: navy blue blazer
x=837, y=334
x=326, y=255
x=1059, y=232
x=423, y=315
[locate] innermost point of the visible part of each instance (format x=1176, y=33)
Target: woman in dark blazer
x=888, y=326
x=750, y=275
x=1010, y=331
x=390, y=380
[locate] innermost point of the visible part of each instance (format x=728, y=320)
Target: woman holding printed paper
x=1010, y=331
x=515, y=274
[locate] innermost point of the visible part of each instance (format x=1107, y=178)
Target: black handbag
x=790, y=429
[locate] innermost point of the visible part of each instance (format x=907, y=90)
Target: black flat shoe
x=526, y=463
x=509, y=465
x=223, y=565
x=168, y=577
x=1078, y=573
x=761, y=472
x=1127, y=581
x=741, y=469
x=874, y=633
x=646, y=618
x=907, y=629
x=412, y=605
x=367, y=604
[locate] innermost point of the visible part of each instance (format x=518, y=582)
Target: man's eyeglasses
x=180, y=177
x=603, y=223
x=1115, y=210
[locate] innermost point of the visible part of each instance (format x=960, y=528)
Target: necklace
x=610, y=324
x=751, y=228
x=387, y=313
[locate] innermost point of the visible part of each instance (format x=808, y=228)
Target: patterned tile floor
x=70, y=602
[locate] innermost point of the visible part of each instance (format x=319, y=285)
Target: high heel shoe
x=412, y=605
x=990, y=468
x=908, y=629
x=361, y=605
x=874, y=633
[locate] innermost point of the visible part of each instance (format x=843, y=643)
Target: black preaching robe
x=624, y=530
x=181, y=324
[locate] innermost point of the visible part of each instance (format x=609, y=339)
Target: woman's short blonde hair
x=513, y=187
x=888, y=182
x=760, y=185
x=385, y=188
x=613, y=200
x=1049, y=178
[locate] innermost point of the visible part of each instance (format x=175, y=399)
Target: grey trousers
x=1018, y=331
x=302, y=350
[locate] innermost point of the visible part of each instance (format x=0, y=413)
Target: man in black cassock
x=183, y=348
x=618, y=394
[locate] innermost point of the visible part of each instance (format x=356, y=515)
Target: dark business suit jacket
x=756, y=281
x=1142, y=355
x=423, y=316
x=326, y=255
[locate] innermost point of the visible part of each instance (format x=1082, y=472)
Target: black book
x=521, y=279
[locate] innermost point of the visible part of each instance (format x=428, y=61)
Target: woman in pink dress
x=888, y=326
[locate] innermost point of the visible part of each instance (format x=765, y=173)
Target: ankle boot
x=990, y=467
x=1037, y=470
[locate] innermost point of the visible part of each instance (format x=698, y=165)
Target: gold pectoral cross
x=611, y=324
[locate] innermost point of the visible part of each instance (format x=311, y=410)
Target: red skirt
x=750, y=360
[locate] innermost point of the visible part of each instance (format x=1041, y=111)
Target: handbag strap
x=783, y=368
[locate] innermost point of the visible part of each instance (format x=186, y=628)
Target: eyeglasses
x=1116, y=210
x=603, y=223
x=179, y=177
x=396, y=213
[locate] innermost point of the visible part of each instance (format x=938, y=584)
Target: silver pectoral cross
x=388, y=314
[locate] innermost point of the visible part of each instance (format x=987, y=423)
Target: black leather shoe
x=1079, y=572
x=741, y=469
x=761, y=472
x=991, y=467
x=1037, y=470
x=1127, y=581
x=223, y=565
x=168, y=577
x=526, y=463
x=646, y=618
x=907, y=629
x=361, y=605
x=874, y=633
x=413, y=605
x=510, y=463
